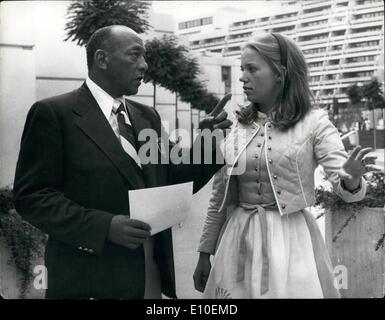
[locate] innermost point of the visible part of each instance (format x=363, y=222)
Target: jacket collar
x=94, y=124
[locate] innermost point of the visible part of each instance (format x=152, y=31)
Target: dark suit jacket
x=72, y=177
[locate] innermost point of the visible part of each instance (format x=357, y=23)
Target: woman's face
x=260, y=84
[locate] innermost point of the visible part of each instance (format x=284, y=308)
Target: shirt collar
x=104, y=100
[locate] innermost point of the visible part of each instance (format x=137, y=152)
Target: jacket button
x=269, y=148
x=256, y=156
x=269, y=125
x=269, y=138
x=262, y=134
x=283, y=206
x=80, y=248
x=271, y=161
x=259, y=145
x=275, y=177
x=279, y=191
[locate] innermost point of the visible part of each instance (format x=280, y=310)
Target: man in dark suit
x=78, y=159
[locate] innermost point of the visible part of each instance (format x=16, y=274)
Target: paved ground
x=186, y=240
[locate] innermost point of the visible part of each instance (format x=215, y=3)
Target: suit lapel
x=140, y=122
x=94, y=124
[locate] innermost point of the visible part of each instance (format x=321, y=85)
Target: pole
x=191, y=126
x=154, y=98
x=176, y=111
x=374, y=131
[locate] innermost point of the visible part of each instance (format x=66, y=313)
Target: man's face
x=125, y=62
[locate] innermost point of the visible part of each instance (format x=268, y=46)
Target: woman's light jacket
x=291, y=157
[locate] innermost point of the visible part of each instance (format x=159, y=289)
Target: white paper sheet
x=161, y=207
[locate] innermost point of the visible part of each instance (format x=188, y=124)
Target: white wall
x=17, y=81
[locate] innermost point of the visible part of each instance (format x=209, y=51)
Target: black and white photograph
x=192, y=150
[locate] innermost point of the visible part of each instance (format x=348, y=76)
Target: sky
x=188, y=8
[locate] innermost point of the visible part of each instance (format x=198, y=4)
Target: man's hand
x=217, y=119
x=128, y=232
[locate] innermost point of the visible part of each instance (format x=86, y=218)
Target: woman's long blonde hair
x=294, y=100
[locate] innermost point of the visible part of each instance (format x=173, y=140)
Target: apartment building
x=342, y=40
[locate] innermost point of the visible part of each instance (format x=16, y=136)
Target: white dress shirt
x=106, y=103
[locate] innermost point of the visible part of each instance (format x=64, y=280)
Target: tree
x=354, y=93
x=86, y=16
x=170, y=66
x=372, y=91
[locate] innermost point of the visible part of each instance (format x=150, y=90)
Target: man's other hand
x=217, y=119
x=128, y=232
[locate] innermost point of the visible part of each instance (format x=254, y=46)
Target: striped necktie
x=126, y=132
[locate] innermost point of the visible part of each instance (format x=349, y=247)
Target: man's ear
x=100, y=59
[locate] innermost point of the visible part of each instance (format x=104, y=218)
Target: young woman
x=264, y=241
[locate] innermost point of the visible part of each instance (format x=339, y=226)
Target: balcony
x=243, y=27
x=362, y=49
x=238, y=40
x=362, y=65
x=284, y=21
x=355, y=79
x=332, y=67
x=212, y=44
x=315, y=14
x=314, y=27
x=262, y=24
x=315, y=4
x=364, y=7
x=367, y=20
x=303, y=43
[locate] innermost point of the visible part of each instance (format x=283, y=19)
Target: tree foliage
x=372, y=91
x=170, y=66
x=354, y=94
x=86, y=16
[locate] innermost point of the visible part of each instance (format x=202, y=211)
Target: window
x=315, y=78
x=368, y=15
x=338, y=33
x=361, y=2
x=226, y=78
x=358, y=74
x=243, y=23
x=337, y=47
x=328, y=91
x=367, y=29
x=312, y=51
x=334, y=62
x=360, y=59
x=230, y=49
x=315, y=64
x=364, y=44
x=283, y=29
x=285, y=16
x=195, y=23
x=311, y=37
x=314, y=23
x=331, y=77
x=319, y=9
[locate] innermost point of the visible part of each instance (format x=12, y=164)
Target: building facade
x=342, y=40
